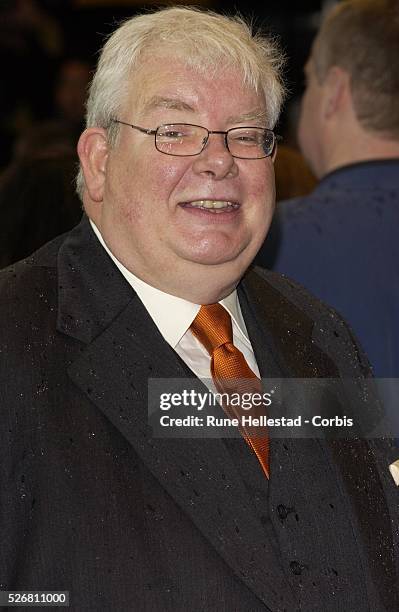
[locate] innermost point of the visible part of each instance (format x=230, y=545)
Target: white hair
x=202, y=39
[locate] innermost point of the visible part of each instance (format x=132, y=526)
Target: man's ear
x=93, y=155
x=336, y=88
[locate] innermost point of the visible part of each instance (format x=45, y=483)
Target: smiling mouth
x=212, y=206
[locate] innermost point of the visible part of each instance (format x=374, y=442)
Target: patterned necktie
x=230, y=372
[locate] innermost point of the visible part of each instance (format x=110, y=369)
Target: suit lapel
x=123, y=349
x=287, y=330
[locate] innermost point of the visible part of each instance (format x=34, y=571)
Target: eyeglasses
x=184, y=139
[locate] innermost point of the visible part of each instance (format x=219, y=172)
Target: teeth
x=212, y=204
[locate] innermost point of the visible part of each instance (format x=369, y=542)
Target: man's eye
x=246, y=138
x=174, y=134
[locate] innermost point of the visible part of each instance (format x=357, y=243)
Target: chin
x=215, y=255
x=238, y=260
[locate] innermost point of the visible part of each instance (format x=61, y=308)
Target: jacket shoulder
x=267, y=281
x=292, y=309
x=28, y=292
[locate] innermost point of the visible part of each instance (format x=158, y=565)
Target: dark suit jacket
x=92, y=503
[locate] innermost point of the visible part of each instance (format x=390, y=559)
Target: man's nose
x=215, y=159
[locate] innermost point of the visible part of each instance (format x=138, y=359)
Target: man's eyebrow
x=169, y=103
x=258, y=115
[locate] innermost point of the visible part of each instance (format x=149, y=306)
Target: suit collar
x=91, y=290
x=157, y=303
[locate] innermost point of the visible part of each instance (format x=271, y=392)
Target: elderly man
x=177, y=185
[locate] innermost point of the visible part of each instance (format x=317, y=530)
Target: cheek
x=155, y=179
x=263, y=202
x=263, y=190
x=141, y=187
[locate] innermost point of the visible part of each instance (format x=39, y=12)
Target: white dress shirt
x=173, y=316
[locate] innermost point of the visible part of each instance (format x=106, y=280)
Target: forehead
x=169, y=84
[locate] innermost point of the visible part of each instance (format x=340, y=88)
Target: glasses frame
x=149, y=132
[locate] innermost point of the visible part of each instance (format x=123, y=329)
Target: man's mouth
x=212, y=206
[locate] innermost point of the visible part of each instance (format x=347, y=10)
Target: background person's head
x=350, y=109
x=70, y=91
x=181, y=66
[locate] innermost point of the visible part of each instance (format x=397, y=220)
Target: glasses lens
x=180, y=139
x=250, y=142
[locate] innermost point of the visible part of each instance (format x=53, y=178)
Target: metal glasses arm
x=136, y=127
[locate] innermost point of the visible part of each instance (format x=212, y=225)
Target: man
x=96, y=504
x=340, y=241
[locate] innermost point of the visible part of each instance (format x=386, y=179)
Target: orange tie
x=230, y=371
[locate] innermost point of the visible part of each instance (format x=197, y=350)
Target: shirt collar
x=160, y=305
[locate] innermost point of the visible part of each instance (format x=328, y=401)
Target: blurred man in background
x=341, y=242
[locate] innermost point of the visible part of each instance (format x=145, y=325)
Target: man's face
x=309, y=129
x=153, y=216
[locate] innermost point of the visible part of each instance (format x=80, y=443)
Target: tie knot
x=212, y=326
